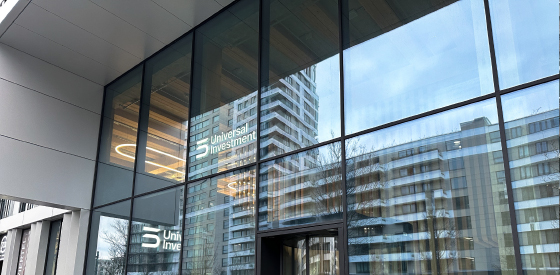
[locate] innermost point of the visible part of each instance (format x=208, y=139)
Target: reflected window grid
x=293, y=117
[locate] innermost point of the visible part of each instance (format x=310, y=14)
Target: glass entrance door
x=309, y=253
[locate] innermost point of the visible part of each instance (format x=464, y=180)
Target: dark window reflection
x=301, y=85
x=419, y=206
x=162, y=152
x=53, y=247
x=302, y=188
x=525, y=39
x=220, y=225
x=224, y=109
x=117, y=148
x=403, y=58
x=155, y=240
x=108, y=239
x=532, y=124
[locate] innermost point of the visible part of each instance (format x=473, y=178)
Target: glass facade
x=155, y=233
x=424, y=134
x=220, y=225
x=531, y=123
x=303, y=188
x=432, y=186
x=525, y=40
x=53, y=247
x=165, y=104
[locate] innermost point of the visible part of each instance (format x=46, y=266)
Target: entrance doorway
x=312, y=252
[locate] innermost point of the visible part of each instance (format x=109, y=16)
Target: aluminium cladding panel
x=48, y=133
x=38, y=119
x=38, y=75
x=40, y=174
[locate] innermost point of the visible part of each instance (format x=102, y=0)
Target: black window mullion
x=187, y=161
x=260, y=70
x=141, y=119
x=501, y=123
x=343, y=242
x=307, y=261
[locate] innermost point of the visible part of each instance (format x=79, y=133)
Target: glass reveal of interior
x=224, y=109
x=162, y=154
x=117, y=146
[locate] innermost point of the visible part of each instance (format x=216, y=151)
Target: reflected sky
x=439, y=59
x=328, y=90
x=531, y=101
x=431, y=126
x=526, y=40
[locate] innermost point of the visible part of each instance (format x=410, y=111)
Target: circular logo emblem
x=3, y=244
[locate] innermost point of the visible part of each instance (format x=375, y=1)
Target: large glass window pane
x=107, y=239
x=155, y=240
x=300, y=75
x=303, y=188
x=403, y=58
x=531, y=122
x=429, y=197
x=53, y=247
x=220, y=225
x=164, y=124
x=224, y=108
x=117, y=148
x=525, y=39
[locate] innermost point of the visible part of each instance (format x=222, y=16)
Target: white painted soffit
x=100, y=39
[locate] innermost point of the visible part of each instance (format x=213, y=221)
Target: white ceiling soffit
x=100, y=39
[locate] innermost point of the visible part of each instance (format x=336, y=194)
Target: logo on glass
x=171, y=240
x=226, y=140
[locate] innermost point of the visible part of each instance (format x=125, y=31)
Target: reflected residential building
x=445, y=196
x=289, y=121
x=420, y=207
x=219, y=226
x=532, y=124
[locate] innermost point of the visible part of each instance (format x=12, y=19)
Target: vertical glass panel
x=429, y=197
x=300, y=75
x=323, y=255
x=108, y=239
x=224, y=108
x=120, y=122
x=162, y=153
x=3, y=246
x=405, y=58
x=220, y=225
x=303, y=188
x=155, y=240
x=294, y=255
x=117, y=148
x=525, y=39
x=53, y=246
x=23, y=251
x=531, y=122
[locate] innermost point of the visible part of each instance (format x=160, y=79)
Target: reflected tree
x=442, y=236
x=115, y=237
